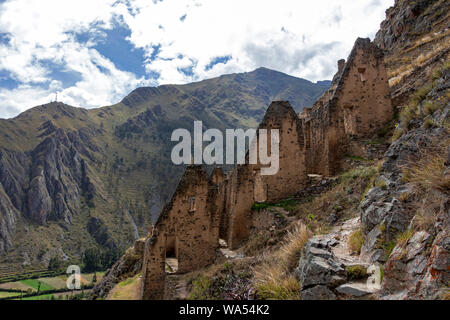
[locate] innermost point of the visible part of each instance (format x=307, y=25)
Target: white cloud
x=43, y=31
x=301, y=38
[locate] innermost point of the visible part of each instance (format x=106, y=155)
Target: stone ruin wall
x=204, y=209
x=246, y=185
x=357, y=103
x=187, y=229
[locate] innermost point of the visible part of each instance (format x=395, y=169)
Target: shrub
x=200, y=288
x=428, y=124
x=381, y=184
x=429, y=107
x=356, y=272
x=402, y=238
x=421, y=94
x=355, y=241
x=260, y=206
x=397, y=134
x=389, y=247
x=407, y=114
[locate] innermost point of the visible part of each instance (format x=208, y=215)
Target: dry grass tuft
x=274, y=279
x=425, y=219
x=273, y=283
x=428, y=172
x=355, y=241
x=294, y=243
x=403, y=238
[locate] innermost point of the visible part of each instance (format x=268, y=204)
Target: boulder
x=319, y=271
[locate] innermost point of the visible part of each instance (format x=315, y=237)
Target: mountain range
x=72, y=179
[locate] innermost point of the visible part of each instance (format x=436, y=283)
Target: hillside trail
x=339, y=237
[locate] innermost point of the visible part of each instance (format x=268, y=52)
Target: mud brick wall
x=204, y=209
x=188, y=229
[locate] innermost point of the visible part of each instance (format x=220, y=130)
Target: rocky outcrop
x=8, y=216
x=13, y=179
x=329, y=270
x=128, y=266
x=413, y=36
x=408, y=18
x=56, y=178
x=416, y=264
x=319, y=271
x=48, y=183
x=383, y=214
x=418, y=269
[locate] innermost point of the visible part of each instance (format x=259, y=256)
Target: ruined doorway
x=171, y=254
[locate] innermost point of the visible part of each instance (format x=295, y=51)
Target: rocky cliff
x=415, y=36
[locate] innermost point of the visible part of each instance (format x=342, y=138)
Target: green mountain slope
x=71, y=178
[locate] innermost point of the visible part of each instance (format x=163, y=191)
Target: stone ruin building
x=207, y=208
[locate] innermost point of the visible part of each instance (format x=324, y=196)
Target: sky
x=92, y=53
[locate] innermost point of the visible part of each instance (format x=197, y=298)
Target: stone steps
x=323, y=268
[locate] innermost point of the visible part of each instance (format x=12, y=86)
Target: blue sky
x=93, y=53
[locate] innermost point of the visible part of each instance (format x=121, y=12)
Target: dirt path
x=342, y=252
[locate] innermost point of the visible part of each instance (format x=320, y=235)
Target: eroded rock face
x=13, y=175
x=419, y=269
x=411, y=29
x=383, y=215
x=319, y=271
x=402, y=20
x=56, y=179
x=46, y=183
x=8, y=216
x=128, y=266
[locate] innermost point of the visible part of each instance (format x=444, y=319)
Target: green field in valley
x=45, y=284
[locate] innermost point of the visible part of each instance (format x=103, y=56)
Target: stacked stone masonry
x=206, y=208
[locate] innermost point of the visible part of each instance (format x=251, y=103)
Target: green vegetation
x=381, y=184
x=261, y=206
x=356, y=272
x=274, y=278
x=358, y=158
x=126, y=290
x=45, y=288
x=37, y=285
x=364, y=173
x=201, y=289
x=288, y=204
x=55, y=263
x=419, y=107
x=402, y=238
x=94, y=259
x=12, y=277
x=389, y=247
